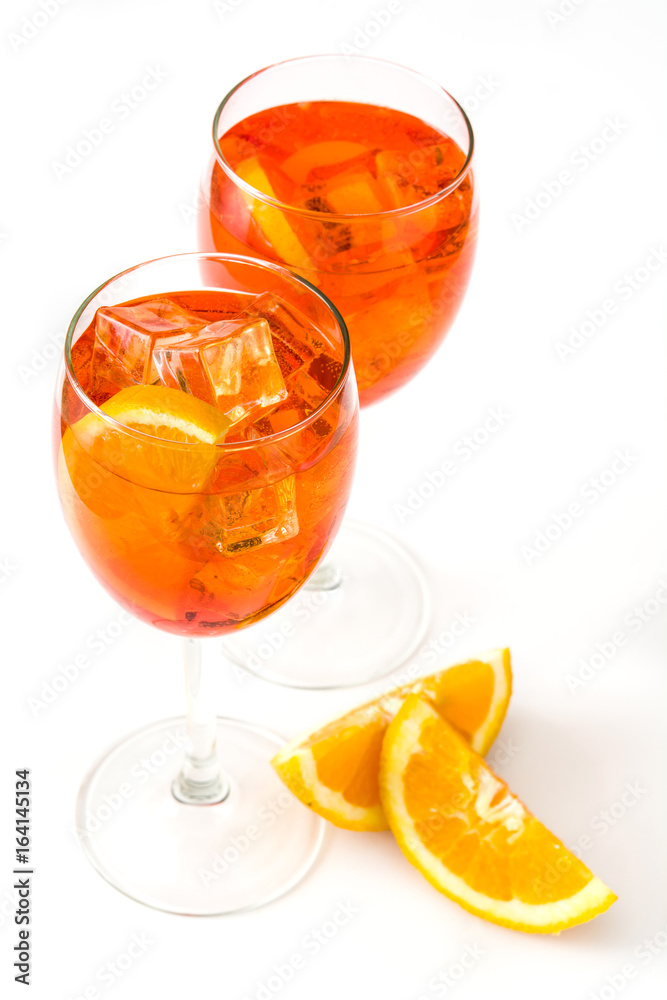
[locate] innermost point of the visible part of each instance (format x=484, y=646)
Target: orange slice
x=335, y=770
x=355, y=195
x=271, y=221
x=171, y=418
x=320, y=154
x=471, y=838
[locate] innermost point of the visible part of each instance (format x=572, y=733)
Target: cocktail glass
x=356, y=174
x=199, y=523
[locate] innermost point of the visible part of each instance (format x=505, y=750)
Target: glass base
x=361, y=615
x=202, y=860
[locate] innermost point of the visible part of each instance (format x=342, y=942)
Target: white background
x=537, y=92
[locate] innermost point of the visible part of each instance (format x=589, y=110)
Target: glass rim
x=230, y=445
x=389, y=213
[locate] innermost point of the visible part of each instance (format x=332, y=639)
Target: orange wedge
x=335, y=770
x=356, y=195
x=160, y=461
x=271, y=221
x=471, y=838
x=320, y=154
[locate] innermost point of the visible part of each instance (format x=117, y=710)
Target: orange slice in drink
x=271, y=221
x=335, y=770
x=355, y=195
x=320, y=154
x=173, y=452
x=471, y=838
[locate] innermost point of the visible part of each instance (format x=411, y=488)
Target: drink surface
x=330, y=171
x=219, y=472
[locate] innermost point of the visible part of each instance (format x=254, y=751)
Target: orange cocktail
x=374, y=205
x=207, y=486
x=205, y=437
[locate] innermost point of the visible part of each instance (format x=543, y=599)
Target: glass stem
x=327, y=576
x=201, y=781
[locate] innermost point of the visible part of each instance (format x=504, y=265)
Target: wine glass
x=356, y=174
x=198, y=523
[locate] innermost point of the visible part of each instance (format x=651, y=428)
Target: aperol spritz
x=373, y=205
x=205, y=439
x=192, y=537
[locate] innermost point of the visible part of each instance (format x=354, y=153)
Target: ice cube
x=126, y=334
x=411, y=178
x=403, y=183
x=298, y=450
x=97, y=372
x=308, y=388
x=290, y=330
x=309, y=370
x=325, y=370
x=230, y=364
x=354, y=195
x=256, y=502
x=231, y=523
x=258, y=517
x=259, y=463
